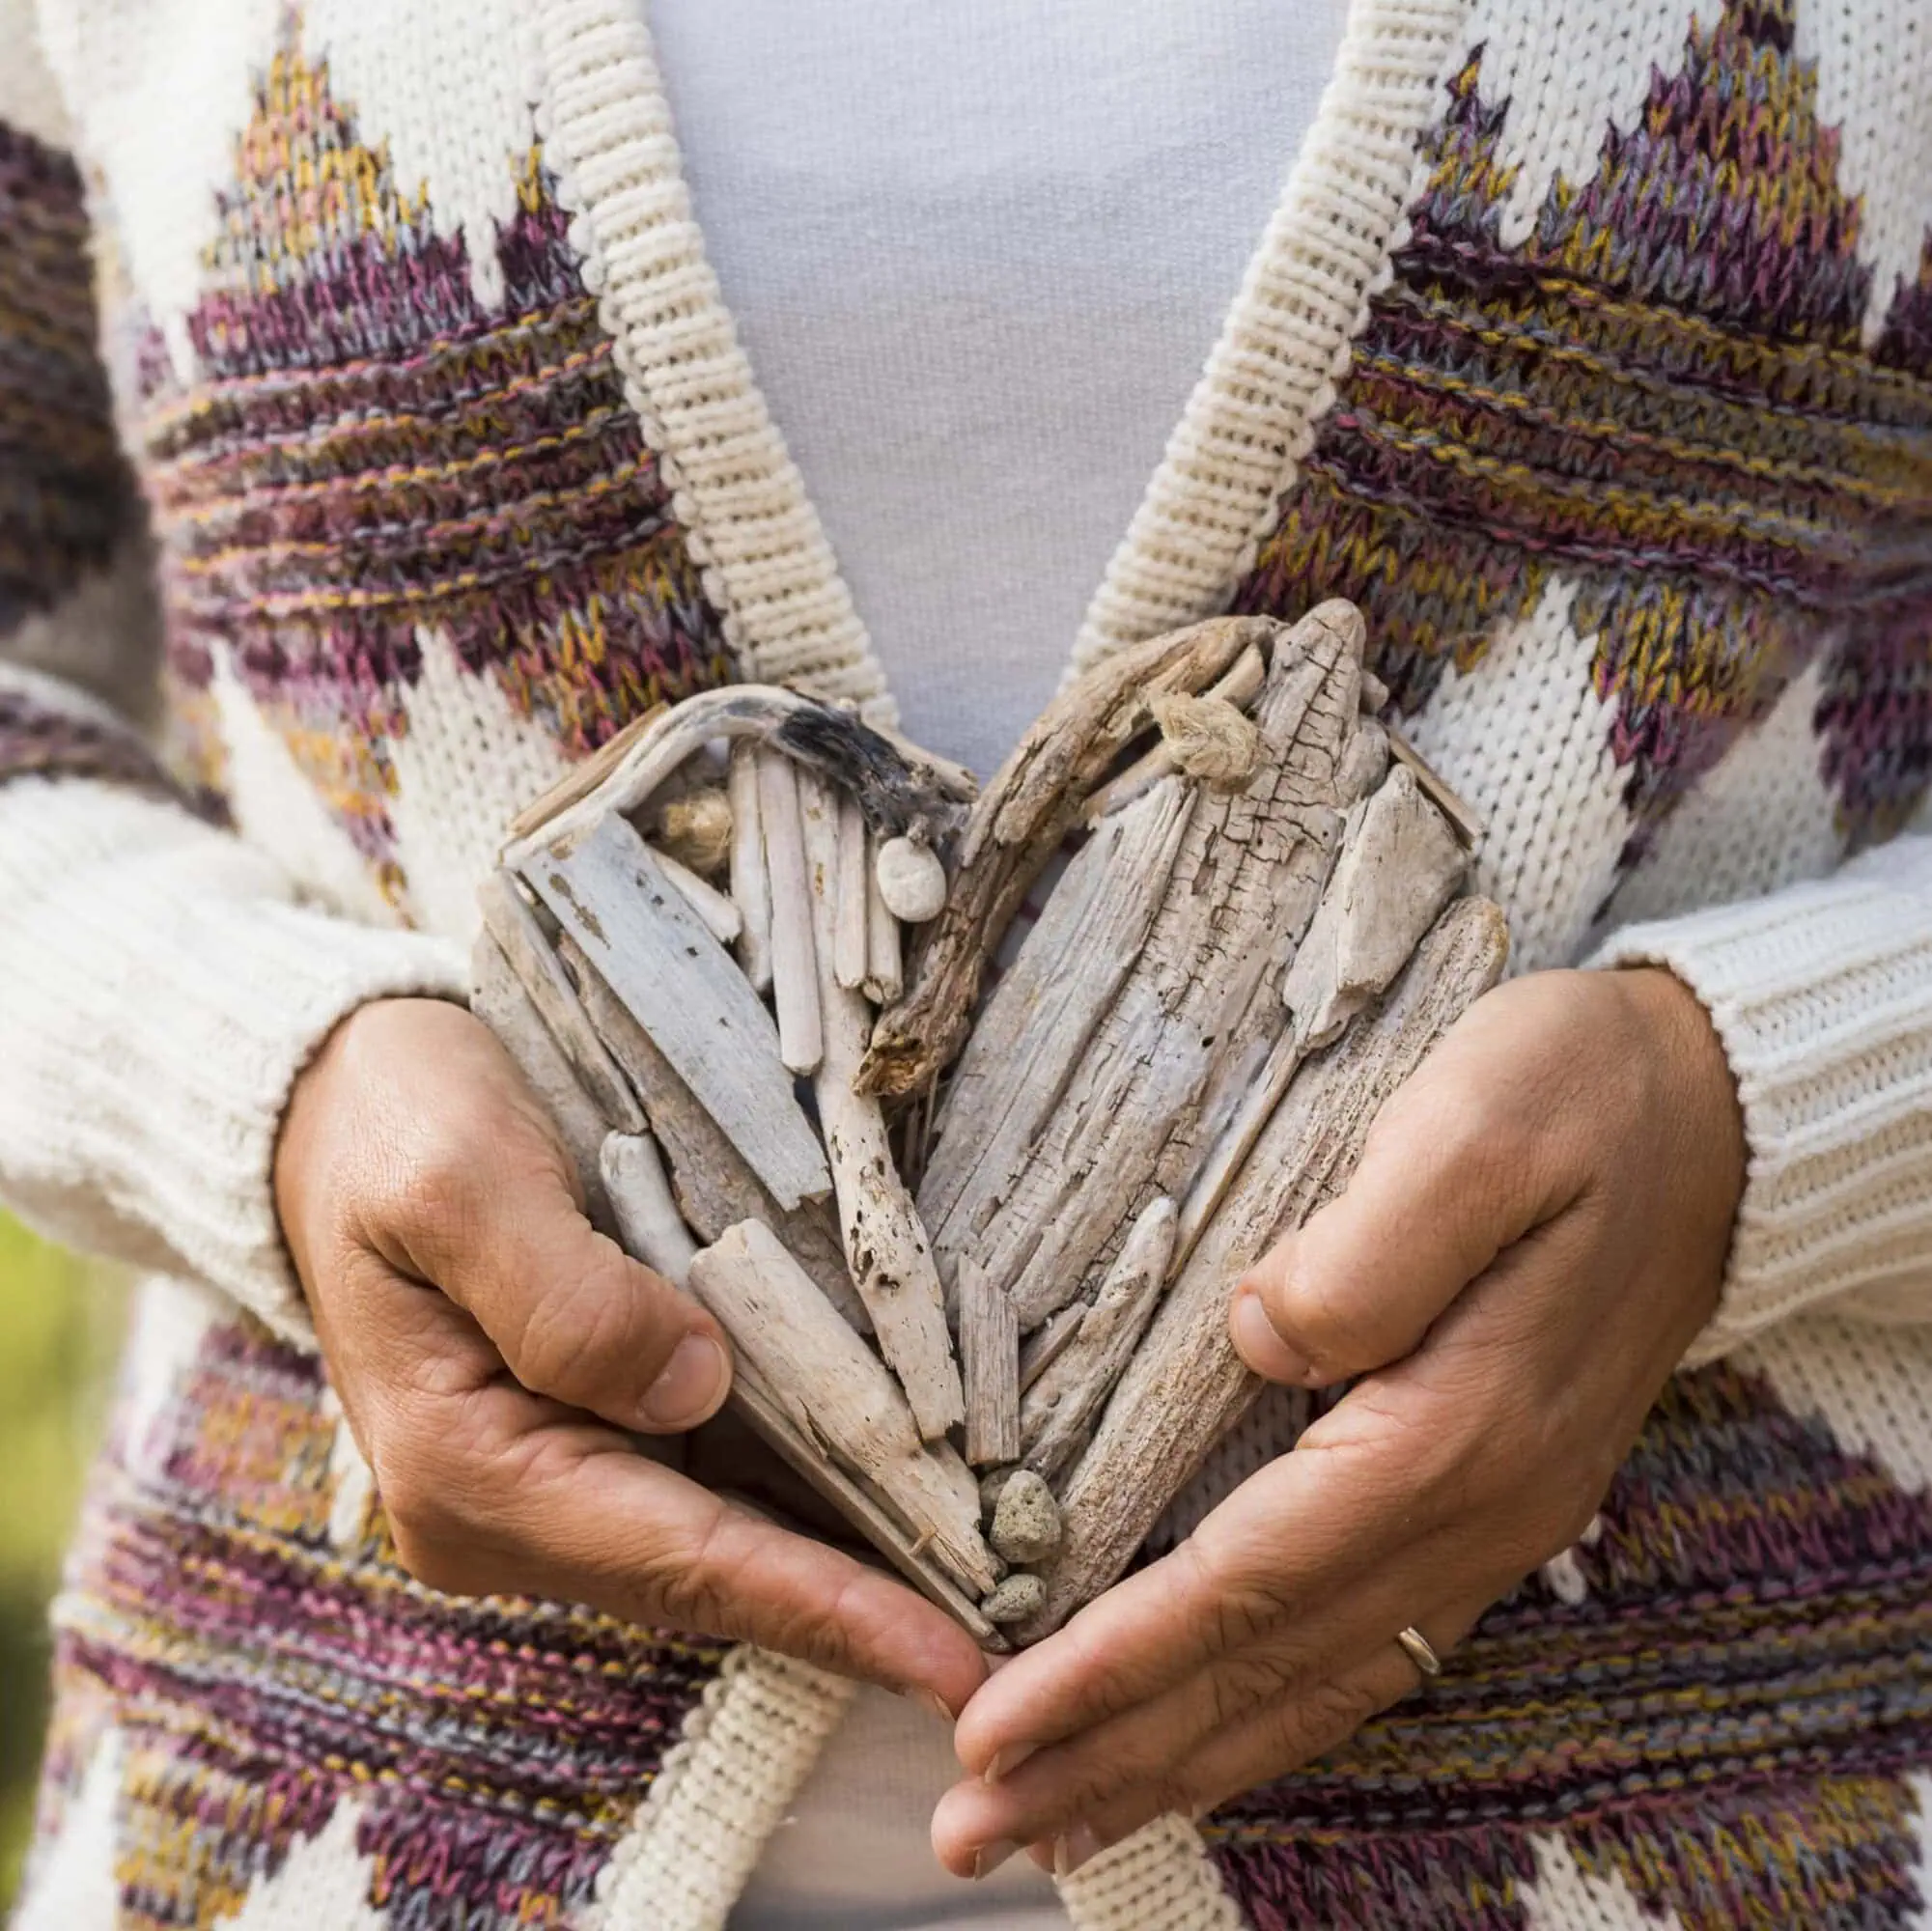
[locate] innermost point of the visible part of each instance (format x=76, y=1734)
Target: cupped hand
x=495, y=1356
x=1536, y=1234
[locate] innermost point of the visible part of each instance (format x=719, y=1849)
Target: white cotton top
x=978, y=257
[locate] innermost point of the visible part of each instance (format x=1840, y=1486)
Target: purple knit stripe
x=65, y=497
x=49, y=741
x=1659, y=395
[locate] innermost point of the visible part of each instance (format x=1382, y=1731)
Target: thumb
x=1437, y=1194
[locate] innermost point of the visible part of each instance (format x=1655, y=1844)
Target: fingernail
x=690, y=1387
x=990, y=1856
x=937, y=1704
x=1006, y=1761
x=1258, y=1343
x=1074, y=1848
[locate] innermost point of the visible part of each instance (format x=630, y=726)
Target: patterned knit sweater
x=1589, y=349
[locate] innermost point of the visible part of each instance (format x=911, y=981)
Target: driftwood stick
x=885, y=1246
x=750, y=884
x=648, y=1219
x=722, y=918
x=852, y=894
x=898, y=793
x=795, y=973
x=1186, y=1385
x=1450, y=802
x=499, y=999
x=832, y=1385
x=1059, y=1410
x=582, y=778
x=510, y=921
x=884, y=972
x=610, y=894
x=990, y=1354
x=1016, y=826
x=714, y=1186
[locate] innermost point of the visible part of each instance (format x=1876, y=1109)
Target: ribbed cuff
x=160, y=989
x=1822, y=996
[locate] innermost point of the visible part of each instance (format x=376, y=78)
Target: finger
x=1453, y=1172
x=501, y=1492
x=1290, y=1542
x=572, y=1315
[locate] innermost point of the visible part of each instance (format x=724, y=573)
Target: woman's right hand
x=494, y=1353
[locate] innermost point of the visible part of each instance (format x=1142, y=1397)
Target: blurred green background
x=60, y=1326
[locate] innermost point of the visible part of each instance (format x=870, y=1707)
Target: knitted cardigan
x=1590, y=350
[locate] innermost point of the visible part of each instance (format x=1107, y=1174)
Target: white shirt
x=977, y=255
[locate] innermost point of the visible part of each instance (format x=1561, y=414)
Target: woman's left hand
x=1534, y=1235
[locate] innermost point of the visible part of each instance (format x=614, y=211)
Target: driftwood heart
x=972, y=1243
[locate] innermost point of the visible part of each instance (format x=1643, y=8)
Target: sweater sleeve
x=161, y=982
x=1822, y=995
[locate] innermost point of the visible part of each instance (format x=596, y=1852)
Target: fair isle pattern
x=1724, y=1715
x=1660, y=393
x=261, y=1675
x=368, y=454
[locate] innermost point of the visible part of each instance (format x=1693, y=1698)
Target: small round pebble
x=1026, y=1518
x=912, y=881
x=1022, y=1595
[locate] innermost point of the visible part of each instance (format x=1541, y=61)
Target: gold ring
x=1419, y=1651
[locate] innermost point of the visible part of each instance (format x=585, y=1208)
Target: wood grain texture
x=610, y=894
x=989, y=1362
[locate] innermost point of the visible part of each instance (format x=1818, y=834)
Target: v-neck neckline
x=767, y=563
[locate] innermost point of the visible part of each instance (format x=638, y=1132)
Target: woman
x=1587, y=349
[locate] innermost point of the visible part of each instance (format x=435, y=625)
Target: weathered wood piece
x=710, y=1180
x=830, y=1385
x=610, y=894
x=581, y=779
x=647, y=1222
x=513, y=925
x=897, y=791
x=720, y=917
x=884, y=971
x=1058, y=1410
x=1186, y=1386
x=1401, y=862
x=1155, y=1057
x=1016, y=826
x=750, y=884
x=885, y=1246
x=990, y=1361
x=851, y=951
x=795, y=971
x=499, y=999
x=1450, y=802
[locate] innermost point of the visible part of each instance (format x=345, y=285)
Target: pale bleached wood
x=1058, y=1412
x=1154, y=1063
x=829, y=1384
x=584, y=777
x=886, y=1249
x=610, y=894
x=1451, y=803
x=884, y=971
x=990, y=1361
x=1186, y=1386
x=898, y=792
x=751, y=883
x=648, y=1219
x=714, y=1186
x=795, y=971
x=510, y=921
x=499, y=999
x=1239, y=687
x=1017, y=824
x=720, y=917
x=852, y=893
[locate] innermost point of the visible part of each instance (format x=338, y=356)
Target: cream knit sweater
x=163, y=980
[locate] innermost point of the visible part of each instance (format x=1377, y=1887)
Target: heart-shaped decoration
x=970, y=1232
